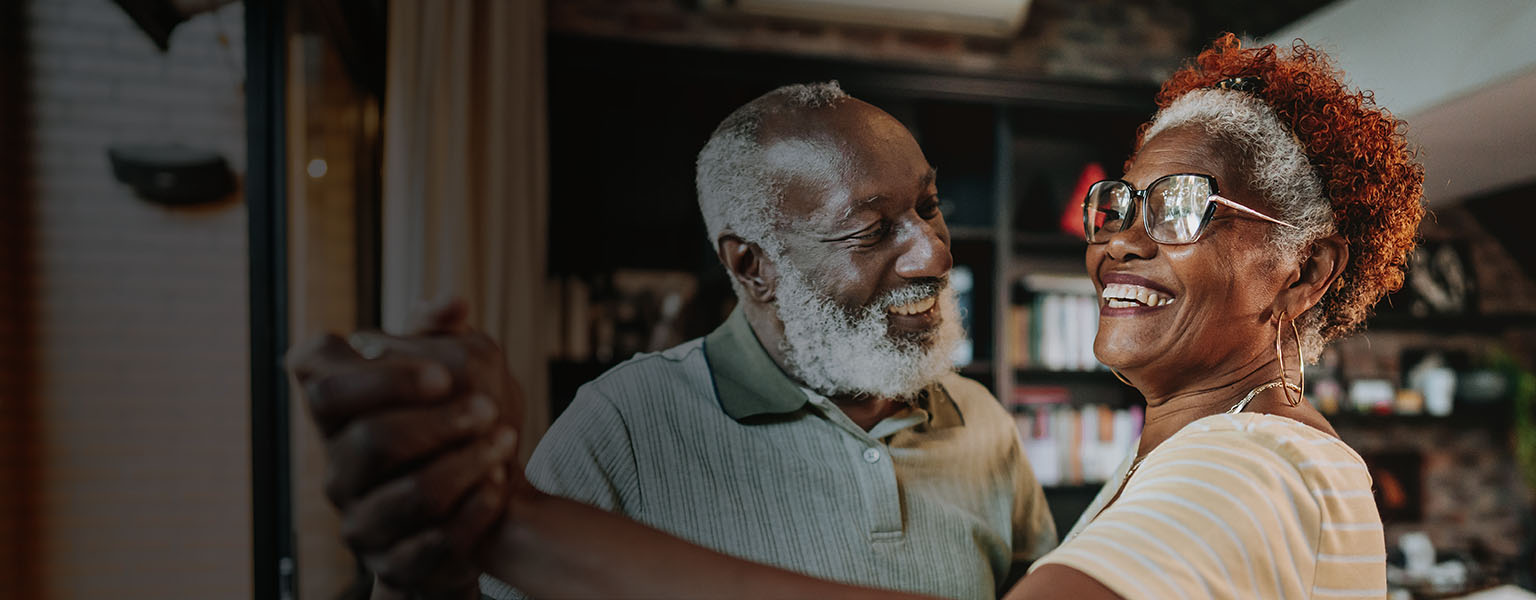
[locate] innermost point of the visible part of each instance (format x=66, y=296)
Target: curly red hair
x=1360, y=151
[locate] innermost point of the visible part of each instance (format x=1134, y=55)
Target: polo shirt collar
x=747, y=381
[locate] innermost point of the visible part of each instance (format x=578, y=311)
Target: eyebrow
x=923, y=182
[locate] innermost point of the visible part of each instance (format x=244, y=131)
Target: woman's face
x=1201, y=308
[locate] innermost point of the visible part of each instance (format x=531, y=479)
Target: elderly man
x=821, y=428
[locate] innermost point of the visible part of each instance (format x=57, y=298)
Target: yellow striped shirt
x=1236, y=506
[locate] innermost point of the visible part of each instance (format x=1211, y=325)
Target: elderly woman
x=1264, y=211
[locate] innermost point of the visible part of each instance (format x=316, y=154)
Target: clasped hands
x=421, y=446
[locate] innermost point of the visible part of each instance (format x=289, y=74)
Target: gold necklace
x=1236, y=408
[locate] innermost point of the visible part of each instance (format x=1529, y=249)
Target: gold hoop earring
x=1120, y=377
x=1301, y=364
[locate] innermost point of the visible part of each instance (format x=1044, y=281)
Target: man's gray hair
x=1276, y=167
x=737, y=192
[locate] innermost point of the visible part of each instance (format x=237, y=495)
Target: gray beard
x=837, y=351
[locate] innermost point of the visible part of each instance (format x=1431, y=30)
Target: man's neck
x=864, y=411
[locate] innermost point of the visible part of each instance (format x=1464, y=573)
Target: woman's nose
x=1133, y=242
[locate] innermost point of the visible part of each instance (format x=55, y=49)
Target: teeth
x=1122, y=295
x=914, y=308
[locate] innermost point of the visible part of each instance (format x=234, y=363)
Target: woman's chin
x=1123, y=357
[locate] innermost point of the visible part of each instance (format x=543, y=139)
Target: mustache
x=918, y=289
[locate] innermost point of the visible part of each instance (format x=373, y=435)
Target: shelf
x=977, y=369
x=1451, y=324
x=972, y=233
x=1054, y=243
x=1031, y=376
x=1493, y=415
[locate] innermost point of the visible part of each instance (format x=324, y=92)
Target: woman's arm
x=551, y=547
x=1060, y=581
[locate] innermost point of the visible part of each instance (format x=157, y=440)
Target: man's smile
x=917, y=316
x=915, y=307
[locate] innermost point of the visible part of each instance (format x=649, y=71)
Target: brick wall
x=142, y=401
x=1103, y=40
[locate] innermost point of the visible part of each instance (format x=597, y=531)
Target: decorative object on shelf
x=1441, y=281
x=1522, y=391
x=1046, y=173
x=1399, y=486
x=611, y=317
x=1372, y=395
x=964, y=283
x=1071, y=222
x=1435, y=383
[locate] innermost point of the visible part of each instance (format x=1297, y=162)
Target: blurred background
x=189, y=186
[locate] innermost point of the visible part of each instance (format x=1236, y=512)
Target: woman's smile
x=1127, y=295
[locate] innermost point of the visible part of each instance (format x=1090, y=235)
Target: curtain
x=465, y=174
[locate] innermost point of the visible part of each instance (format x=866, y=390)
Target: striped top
x=711, y=442
x=1236, y=506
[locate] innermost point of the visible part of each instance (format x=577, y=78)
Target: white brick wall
x=142, y=343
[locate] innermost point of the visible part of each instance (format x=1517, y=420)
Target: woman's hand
x=420, y=436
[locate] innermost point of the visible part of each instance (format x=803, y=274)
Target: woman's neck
x=1173, y=405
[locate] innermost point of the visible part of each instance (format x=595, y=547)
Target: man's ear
x=1319, y=269
x=749, y=266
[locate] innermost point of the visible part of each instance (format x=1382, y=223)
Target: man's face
x=861, y=212
x=863, y=280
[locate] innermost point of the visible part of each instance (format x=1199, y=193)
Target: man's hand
x=420, y=438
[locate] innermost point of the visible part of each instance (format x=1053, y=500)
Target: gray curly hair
x=737, y=192
x=1276, y=167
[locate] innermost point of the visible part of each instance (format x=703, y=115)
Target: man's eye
x=928, y=209
x=874, y=234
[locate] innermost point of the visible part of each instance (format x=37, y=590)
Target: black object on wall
x=172, y=174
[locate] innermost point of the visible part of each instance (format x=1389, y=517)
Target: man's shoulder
x=651, y=379
x=972, y=398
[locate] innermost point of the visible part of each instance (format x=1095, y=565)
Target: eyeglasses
x=1175, y=208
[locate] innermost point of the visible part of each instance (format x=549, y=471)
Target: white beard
x=837, y=352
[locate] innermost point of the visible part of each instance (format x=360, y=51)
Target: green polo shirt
x=712, y=442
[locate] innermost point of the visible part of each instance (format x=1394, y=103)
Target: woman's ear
x=1319, y=269
x=748, y=265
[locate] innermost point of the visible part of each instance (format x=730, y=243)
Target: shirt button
x=871, y=455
